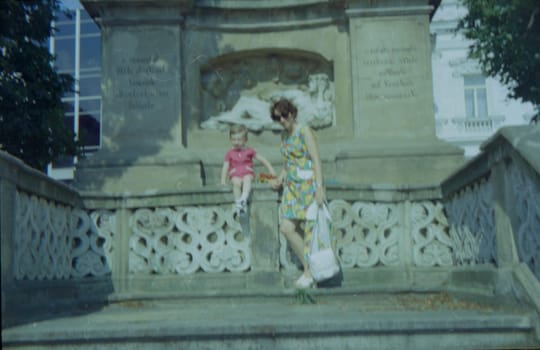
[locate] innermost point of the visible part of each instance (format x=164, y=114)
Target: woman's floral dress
x=299, y=185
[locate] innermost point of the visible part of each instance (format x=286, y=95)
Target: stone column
x=393, y=119
x=391, y=69
x=142, y=147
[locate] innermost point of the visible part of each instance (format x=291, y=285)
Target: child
x=238, y=164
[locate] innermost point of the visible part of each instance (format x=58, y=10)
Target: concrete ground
x=317, y=319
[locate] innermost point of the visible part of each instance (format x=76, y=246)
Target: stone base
x=367, y=163
x=424, y=163
x=116, y=172
x=421, y=163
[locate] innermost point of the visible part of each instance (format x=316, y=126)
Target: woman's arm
x=277, y=182
x=313, y=151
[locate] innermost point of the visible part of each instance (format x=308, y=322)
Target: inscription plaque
x=392, y=79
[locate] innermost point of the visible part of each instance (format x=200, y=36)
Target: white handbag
x=322, y=260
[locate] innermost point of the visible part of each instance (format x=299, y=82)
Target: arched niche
x=244, y=83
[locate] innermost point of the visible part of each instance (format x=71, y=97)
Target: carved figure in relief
x=302, y=182
x=238, y=166
x=315, y=107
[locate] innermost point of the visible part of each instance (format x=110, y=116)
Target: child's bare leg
x=246, y=187
x=237, y=187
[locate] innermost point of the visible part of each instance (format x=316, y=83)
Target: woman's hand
x=278, y=182
x=319, y=196
x=275, y=183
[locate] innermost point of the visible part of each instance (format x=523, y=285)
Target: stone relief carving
x=242, y=92
x=315, y=107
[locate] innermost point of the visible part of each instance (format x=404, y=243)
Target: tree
x=32, y=125
x=505, y=38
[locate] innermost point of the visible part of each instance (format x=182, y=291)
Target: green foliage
x=303, y=297
x=32, y=125
x=506, y=41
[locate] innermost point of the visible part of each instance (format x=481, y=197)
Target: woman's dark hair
x=283, y=108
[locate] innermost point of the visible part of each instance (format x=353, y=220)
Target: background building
x=469, y=107
x=77, y=47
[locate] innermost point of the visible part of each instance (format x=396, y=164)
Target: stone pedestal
x=409, y=163
x=123, y=172
x=394, y=130
x=171, y=66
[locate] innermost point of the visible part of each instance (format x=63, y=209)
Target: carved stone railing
x=394, y=233
x=57, y=241
x=194, y=232
x=186, y=240
x=165, y=243
x=37, y=223
x=470, y=212
x=53, y=238
x=493, y=202
x=48, y=242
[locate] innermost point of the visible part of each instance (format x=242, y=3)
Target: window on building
x=76, y=46
x=475, y=96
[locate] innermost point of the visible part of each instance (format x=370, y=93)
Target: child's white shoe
x=243, y=206
x=239, y=208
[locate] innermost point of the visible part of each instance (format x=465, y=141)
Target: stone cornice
x=248, y=16
x=389, y=11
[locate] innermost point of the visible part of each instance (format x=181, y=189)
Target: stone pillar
x=393, y=119
x=142, y=146
x=264, y=231
x=391, y=69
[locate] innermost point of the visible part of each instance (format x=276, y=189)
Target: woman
x=301, y=178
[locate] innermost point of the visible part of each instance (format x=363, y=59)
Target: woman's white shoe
x=304, y=282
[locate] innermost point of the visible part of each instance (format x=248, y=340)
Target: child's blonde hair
x=238, y=129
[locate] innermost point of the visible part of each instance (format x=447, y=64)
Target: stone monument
x=176, y=73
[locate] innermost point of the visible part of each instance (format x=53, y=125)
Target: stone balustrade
x=467, y=127
x=495, y=194
x=186, y=233
x=55, y=238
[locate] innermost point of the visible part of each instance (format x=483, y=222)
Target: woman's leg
x=289, y=229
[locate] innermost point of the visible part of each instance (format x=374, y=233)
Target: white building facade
x=469, y=107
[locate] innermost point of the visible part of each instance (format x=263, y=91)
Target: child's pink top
x=240, y=161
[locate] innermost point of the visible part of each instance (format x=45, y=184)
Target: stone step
x=335, y=320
